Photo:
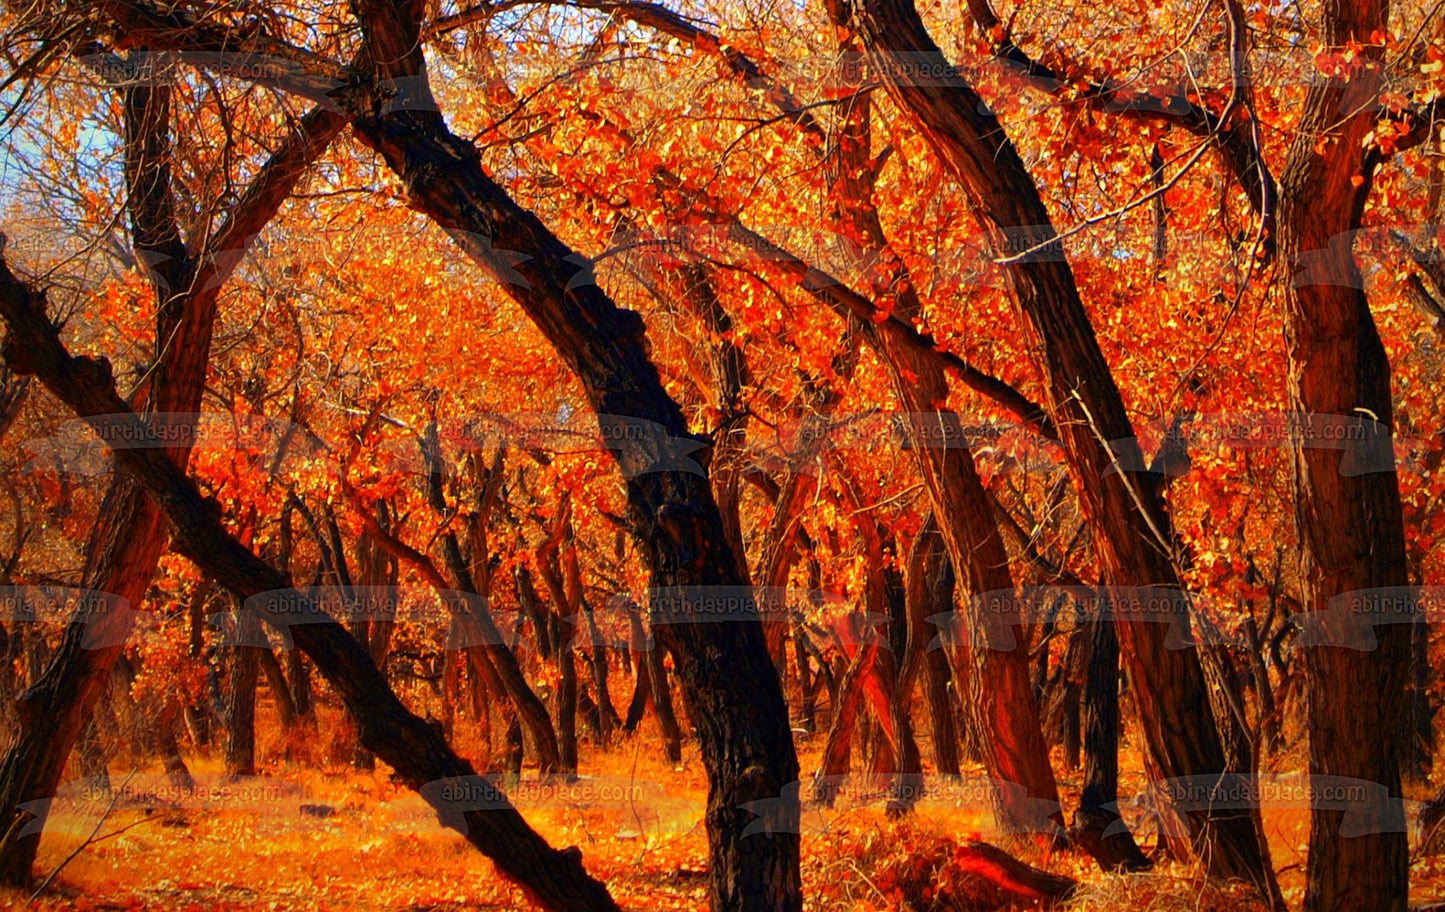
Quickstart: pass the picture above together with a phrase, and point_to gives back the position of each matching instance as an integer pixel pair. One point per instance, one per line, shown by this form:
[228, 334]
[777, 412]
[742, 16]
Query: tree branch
[554, 879]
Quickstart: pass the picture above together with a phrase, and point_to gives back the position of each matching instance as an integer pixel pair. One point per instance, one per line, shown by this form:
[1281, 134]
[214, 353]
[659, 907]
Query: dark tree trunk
[894, 673]
[553, 879]
[1084, 405]
[512, 760]
[929, 594]
[1351, 529]
[607, 714]
[1064, 723]
[129, 536]
[662, 703]
[531, 607]
[566, 712]
[942, 727]
[564, 635]
[280, 691]
[241, 697]
[642, 684]
[1100, 794]
[298, 673]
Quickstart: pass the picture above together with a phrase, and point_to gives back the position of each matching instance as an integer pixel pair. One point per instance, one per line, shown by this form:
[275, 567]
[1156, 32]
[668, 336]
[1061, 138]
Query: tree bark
[662, 702]
[1083, 403]
[416, 750]
[1097, 801]
[241, 697]
[838, 748]
[930, 594]
[1013, 745]
[1351, 528]
[129, 536]
[280, 692]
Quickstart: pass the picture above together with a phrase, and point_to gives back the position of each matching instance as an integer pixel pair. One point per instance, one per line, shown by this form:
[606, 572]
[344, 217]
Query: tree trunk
[298, 673]
[1014, 747]
[597, 663]
[554, 879]
[129, 536]
[929, 594]
[531, 608]
[479, 673]
[1084, 406]
[565, 705]
[167, 745]
[642, 684]
[838, 747]
[280, 692]
[662, 702]
[512, 760]
[1064, 724]
[1350, 525]
[241, 697]
[1096, 816]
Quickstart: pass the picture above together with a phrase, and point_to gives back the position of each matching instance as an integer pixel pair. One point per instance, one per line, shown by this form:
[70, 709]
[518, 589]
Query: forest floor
[378, 847]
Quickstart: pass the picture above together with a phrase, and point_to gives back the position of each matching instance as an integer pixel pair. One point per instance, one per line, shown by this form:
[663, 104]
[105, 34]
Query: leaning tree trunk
[1351, 529]
[837, 749]
[730, 688]
[1084, 403]
[642, 682]
[280, 692]
[129, 535]
[1013, 744]
[662, 703]
[652, 688]
[422, 759]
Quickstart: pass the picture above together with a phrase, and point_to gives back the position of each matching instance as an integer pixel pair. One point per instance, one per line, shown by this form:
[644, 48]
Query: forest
[751, 456]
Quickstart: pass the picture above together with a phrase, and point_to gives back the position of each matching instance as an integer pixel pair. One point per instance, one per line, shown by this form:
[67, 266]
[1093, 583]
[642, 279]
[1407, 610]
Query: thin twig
[115, 796]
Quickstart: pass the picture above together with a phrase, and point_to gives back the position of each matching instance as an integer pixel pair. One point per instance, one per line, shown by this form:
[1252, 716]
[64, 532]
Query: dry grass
[379, 850]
